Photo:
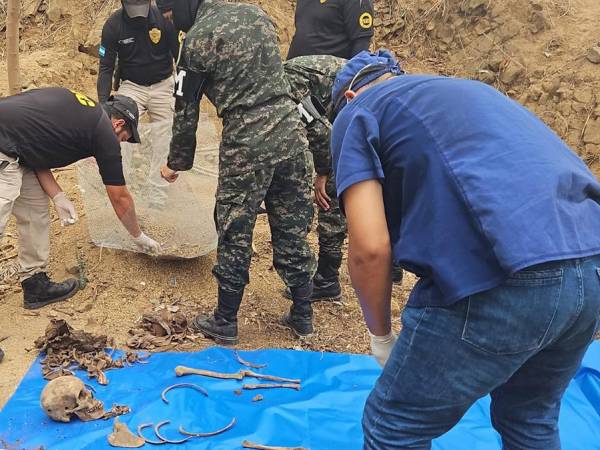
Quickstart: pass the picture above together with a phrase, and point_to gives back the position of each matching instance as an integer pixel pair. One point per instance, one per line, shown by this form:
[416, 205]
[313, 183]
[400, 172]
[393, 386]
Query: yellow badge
[154, 34]
[322, 1]
[365, 20]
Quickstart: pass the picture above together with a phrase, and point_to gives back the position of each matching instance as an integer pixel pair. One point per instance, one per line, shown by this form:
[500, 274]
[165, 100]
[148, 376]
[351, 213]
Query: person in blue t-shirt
[498, 218]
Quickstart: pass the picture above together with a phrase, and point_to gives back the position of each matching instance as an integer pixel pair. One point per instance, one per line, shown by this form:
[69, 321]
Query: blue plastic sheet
[325, 414]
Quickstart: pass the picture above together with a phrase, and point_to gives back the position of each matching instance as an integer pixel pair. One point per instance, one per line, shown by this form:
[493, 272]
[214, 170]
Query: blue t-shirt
[475, 186]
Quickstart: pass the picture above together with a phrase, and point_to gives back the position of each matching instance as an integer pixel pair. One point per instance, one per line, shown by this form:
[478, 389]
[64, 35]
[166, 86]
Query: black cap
[165, 5]
[127, 108]
[136, 8]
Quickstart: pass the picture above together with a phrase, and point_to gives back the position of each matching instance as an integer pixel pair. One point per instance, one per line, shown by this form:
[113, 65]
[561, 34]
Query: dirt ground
[540, 52]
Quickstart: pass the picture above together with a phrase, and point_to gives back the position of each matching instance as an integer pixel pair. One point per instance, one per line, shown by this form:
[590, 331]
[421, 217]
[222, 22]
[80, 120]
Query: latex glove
[65, 209]
[321, 197]
[146, 244]
[381, 346]
[168, 174]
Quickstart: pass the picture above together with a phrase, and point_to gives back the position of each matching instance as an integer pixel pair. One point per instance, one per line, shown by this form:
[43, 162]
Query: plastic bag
[178, 215]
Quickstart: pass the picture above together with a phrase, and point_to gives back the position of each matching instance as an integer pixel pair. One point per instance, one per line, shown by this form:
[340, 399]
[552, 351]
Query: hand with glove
[65, 209]
[146, 244]
[381, 346]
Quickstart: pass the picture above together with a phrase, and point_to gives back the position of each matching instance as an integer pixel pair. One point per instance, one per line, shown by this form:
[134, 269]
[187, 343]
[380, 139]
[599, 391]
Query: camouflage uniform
[263, 148]
[314, 75]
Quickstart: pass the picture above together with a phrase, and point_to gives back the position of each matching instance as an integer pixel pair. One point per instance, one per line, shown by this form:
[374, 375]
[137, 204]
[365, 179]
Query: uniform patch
[155, 34]
[365, 20]
[101, 51]
[322, 1]
[189, 84]
[83, 99]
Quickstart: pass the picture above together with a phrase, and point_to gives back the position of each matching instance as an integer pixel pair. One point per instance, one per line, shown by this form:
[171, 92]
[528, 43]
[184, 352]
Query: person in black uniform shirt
[146, 46]
[339, 28]
[48, 128]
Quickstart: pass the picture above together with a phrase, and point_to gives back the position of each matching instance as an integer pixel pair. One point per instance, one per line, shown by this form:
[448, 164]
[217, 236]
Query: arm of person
[358, 23]
[107, 152]
[370, 262]
[64, 207]
[122, 202]
[369, 253]
[318, 138]
[124, 207]
[48, 182]
[360, 44]
[188, 93]
[172, 39]
[355, 147]
[108, 55]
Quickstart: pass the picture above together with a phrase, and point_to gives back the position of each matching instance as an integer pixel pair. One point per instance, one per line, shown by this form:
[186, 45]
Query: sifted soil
[540, 52]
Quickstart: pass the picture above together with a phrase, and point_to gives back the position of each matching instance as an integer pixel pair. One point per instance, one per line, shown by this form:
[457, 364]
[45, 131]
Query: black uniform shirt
[54, 127]
[146, 49]
[340, 28]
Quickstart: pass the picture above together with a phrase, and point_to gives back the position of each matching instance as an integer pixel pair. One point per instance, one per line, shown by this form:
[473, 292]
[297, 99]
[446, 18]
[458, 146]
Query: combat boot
[299, 319]
[326, 282]
[221, 326]
[326, 289]
[39, 290]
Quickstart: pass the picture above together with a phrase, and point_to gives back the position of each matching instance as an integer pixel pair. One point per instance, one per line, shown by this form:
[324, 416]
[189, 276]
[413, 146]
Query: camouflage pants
[331, 227]
[286, 191]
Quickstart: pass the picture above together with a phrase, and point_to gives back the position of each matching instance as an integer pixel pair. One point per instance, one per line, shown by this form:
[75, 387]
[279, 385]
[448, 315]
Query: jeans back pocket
[514, 317]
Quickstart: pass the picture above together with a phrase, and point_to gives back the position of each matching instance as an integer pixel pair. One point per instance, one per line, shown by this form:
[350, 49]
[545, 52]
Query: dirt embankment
[542, 53]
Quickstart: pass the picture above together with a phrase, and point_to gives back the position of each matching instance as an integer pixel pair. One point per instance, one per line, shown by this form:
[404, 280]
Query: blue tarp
[325, 414]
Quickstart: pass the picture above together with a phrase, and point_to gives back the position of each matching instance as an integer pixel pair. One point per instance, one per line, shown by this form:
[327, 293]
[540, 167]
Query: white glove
[381, 346]
[65, 209]
[146, 244]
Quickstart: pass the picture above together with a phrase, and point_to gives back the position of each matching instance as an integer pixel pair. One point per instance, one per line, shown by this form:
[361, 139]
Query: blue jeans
[521, 342]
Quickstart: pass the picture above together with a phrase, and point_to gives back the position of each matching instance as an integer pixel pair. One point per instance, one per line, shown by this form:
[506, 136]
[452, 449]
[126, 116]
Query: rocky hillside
[543, 53]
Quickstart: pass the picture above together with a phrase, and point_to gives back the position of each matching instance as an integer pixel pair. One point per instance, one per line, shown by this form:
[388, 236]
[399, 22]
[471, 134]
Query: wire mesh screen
[179, 215]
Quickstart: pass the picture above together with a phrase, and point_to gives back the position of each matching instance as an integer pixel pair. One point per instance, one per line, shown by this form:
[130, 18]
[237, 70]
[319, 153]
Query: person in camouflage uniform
[311, 79]
[230, 54]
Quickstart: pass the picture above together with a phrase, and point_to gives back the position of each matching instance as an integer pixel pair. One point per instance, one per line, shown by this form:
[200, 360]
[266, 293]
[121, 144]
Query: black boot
[326, 282]
[222, 325]
[39, 291]
[1, 355]
[326, 290]
[397, 274]
[299, 319]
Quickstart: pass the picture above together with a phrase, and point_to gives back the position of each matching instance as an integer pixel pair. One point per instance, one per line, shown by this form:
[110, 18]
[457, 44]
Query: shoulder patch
[365, 20]
[189, 84]
[101, 51]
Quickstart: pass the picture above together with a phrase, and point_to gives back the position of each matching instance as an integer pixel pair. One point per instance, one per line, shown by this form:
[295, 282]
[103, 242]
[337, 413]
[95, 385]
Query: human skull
[67, 395]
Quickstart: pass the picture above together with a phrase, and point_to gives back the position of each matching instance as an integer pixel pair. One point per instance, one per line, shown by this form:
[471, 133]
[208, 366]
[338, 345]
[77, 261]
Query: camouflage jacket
[314, 75]
[234, 48]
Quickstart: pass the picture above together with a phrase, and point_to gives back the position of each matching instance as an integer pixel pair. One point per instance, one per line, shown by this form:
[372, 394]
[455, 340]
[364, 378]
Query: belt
[146, 83]
[8, 153]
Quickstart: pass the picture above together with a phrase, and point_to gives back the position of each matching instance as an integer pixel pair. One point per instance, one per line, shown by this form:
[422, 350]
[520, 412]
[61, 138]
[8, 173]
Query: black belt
[8, 153]
[144, 83]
